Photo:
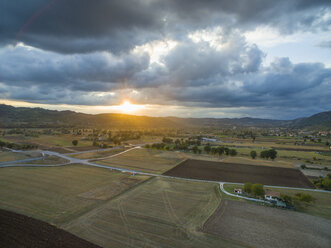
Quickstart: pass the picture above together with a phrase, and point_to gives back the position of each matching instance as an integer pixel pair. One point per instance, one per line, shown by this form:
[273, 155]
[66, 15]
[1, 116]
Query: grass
[56, 194]
[291, 155]
[157, 213]
[97, 154]
[64, 140]
[276, 144]
[12, 156]
[321, 206]
[146, 160]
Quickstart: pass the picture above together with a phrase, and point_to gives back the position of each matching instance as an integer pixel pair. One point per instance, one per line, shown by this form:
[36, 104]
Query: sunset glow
[128, 107]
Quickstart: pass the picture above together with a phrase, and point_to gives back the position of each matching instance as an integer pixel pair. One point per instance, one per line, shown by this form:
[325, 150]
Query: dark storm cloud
[99, 71]
[79, 26]
[193, 74]
[82, 52]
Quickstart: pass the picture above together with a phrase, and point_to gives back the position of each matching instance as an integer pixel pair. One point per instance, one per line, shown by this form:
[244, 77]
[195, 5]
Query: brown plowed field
[260, 226]
[240, 173]
[20, 231]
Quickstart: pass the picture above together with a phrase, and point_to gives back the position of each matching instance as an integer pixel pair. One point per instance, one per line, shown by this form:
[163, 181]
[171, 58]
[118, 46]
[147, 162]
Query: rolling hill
[37, 117]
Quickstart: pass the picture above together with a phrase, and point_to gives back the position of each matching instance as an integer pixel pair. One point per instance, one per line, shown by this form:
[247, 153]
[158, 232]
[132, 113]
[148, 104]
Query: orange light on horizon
[128, 107]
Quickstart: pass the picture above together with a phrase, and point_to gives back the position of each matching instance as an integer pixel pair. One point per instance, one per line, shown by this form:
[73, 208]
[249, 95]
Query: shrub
[305, 197]
[232, 152]
[75, 142]
[257, 189]
[253, 154]
[287, 199]
[248, 188]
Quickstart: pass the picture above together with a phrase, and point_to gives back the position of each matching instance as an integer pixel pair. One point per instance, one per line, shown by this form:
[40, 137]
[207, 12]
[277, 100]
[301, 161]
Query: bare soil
[240, 173]
[260, 226]
[20, 231]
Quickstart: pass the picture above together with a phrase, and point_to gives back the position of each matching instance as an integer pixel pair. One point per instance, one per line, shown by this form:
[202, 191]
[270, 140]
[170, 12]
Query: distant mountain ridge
[37, 117]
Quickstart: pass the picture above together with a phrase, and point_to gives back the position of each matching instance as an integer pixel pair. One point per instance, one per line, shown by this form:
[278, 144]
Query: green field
[156, 213]
[292, 155]
[321, 206]
[59, 194]
[146, 160]
[97, 154]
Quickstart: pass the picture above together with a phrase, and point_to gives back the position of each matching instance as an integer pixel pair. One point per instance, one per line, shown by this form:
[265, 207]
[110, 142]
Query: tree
[287, 199]
[232, 152]
[195, 149]
[272, 154]
[248, 188]
[264, 154]
[257, 189]
[220, 150]
[253, 154]
[75, 142]
[226, 151]
[207, 148]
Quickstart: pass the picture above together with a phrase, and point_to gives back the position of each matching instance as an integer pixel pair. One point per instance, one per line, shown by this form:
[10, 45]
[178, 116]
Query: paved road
[21, 161]
[89, 162]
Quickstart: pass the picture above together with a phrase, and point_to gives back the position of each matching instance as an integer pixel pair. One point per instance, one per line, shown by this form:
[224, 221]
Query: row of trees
[16, 146]
[220, 150]
[195, 149]
[272, 154]
[323, 182]
[297, 199]
[254, 189]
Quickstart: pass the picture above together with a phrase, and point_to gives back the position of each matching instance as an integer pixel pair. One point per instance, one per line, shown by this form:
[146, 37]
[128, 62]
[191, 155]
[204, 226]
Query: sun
[128, 107]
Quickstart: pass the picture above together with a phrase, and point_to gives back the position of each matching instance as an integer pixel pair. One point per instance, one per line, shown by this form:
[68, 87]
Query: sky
[188, 58]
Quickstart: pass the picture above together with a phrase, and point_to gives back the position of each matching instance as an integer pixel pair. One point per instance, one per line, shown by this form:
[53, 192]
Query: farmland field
[63, 140]
[17, 230]
[261, 226]
[240, 173]
[59, 194]
[157, 213]
[146, 160]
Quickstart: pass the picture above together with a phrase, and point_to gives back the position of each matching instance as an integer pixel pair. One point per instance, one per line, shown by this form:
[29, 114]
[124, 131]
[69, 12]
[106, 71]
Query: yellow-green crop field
[146, 160]
[157, 213]
[60, 194]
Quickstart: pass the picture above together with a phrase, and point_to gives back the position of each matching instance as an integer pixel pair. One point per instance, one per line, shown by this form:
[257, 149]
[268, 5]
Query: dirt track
[19, 231]
[240, 173]
[260, 226]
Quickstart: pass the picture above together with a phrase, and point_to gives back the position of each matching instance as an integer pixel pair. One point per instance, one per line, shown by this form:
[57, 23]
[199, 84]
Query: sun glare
[128, 107]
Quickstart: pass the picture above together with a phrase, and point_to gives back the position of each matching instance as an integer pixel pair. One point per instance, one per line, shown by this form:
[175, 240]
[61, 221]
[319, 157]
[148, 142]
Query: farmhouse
[272, 195]
[274, 198]
[238, 191]
[209, 140]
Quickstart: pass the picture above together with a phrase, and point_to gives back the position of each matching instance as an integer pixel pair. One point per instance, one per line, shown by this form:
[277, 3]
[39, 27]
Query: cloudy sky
[189, 58]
